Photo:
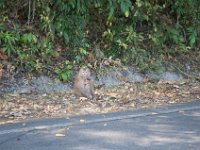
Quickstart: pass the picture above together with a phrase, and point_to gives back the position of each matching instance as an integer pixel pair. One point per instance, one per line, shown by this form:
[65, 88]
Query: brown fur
[83, 86]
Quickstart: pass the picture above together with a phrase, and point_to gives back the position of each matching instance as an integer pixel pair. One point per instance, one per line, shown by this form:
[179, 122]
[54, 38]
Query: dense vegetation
[48, 35]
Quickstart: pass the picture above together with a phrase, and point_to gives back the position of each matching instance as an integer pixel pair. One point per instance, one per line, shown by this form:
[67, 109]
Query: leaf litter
[128, 96]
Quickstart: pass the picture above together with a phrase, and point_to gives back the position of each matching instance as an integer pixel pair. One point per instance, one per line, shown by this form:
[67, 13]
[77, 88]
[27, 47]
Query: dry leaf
[82, 121]
[132, 105]
[170, 94]
[157, 94]
[153, 113]
[82, 98]
[59, 134]
[114, 95]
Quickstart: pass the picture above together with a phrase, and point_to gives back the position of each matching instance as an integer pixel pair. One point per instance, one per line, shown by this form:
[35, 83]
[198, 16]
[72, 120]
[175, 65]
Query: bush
[45, 33]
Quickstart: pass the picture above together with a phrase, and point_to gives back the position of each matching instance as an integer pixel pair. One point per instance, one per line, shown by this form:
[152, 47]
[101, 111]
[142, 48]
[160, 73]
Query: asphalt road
[168, 128]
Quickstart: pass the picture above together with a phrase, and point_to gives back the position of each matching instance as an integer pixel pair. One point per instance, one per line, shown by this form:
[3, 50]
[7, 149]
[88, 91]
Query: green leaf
[126, 13]
[192, 36]
[58, 70]
[112, 7]
[125, 6]
[64, 76]
[83, 51]
[66, 37]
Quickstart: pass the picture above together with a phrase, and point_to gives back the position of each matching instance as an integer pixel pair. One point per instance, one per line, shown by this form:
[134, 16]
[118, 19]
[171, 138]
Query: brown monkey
[83, 86]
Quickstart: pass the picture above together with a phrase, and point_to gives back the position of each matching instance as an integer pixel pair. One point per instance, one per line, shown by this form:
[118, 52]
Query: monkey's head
[85, 73]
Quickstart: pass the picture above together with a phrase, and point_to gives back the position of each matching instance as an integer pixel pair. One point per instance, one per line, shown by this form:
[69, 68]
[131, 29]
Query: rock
[27, 90]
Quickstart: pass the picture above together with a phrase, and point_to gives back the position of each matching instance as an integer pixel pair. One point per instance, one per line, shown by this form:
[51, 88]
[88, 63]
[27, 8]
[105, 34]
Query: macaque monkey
[83, 86]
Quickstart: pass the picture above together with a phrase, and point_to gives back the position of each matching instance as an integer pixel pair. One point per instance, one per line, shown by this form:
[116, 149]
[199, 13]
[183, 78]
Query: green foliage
[64, 71]
[28, 38]
[82, 52]
[40, 33]
[26, 48]
[192, 36]
[2, 4]
[8, 42]
[46, 49]
[140, 56]
[70, 29]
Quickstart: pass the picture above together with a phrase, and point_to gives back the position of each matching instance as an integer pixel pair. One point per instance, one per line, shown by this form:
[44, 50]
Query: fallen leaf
[157, 94]
[69, 109]
[82, 98]
[82, 121]
[112, 94]
[153, 113]
[59, 134]
[131, 89]
[170, 94]
[123, 102]
[176, 86]
[132, 104]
